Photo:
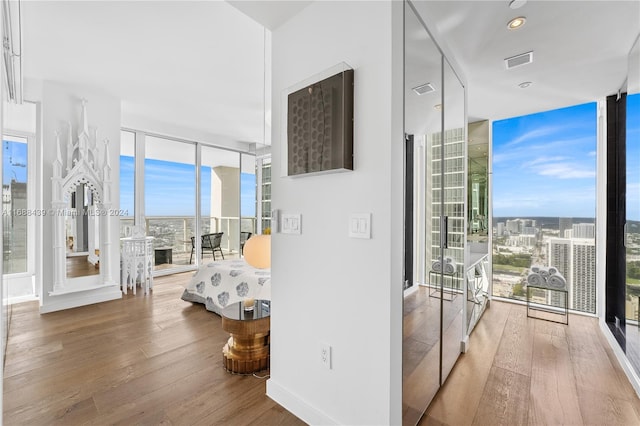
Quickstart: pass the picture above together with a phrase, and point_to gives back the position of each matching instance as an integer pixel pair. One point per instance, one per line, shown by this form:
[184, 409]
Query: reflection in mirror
[82, 234]
[478, 274]
[478, 182]
[452, 206]
[423, 123]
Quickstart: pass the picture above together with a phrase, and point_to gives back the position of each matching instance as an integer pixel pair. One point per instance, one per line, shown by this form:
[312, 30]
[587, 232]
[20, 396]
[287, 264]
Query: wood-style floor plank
[467, 380]
[559, 375]
[553, 396]
[505, 400]
[151, 359]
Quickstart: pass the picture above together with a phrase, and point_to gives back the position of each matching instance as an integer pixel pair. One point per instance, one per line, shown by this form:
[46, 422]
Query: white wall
[328, 287]
[61, 103]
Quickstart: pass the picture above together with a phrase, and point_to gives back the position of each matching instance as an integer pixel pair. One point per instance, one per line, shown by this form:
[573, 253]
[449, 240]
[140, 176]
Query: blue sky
[633, 157]
[170, 189]
[14, 156]
[544, 164]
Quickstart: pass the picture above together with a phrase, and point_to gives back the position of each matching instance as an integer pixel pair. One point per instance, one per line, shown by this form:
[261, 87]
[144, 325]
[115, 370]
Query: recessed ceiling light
[516, 4]
[516, 23]
[438, 107]
[524, 84]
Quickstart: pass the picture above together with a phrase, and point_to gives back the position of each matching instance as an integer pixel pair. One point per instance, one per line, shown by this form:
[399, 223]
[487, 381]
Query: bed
[220, 283]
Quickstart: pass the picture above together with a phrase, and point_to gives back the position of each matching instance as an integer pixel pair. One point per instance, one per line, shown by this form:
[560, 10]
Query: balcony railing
[175, 232]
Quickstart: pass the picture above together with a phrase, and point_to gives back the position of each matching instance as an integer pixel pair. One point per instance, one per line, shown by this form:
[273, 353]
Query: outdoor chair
[209, 242]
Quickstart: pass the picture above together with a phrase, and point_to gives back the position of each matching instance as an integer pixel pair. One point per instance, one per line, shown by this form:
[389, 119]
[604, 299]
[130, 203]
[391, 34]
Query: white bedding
[221, 283]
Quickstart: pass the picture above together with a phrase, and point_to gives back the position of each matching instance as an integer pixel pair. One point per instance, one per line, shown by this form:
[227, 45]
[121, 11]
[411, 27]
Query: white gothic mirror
[81, 203]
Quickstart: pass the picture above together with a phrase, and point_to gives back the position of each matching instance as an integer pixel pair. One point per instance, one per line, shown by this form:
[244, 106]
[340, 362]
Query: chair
[244, 236]
[209, 242]
[212, 242]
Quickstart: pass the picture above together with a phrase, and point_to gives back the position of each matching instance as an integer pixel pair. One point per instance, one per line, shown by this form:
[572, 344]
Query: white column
[59, 247]
[105, 244]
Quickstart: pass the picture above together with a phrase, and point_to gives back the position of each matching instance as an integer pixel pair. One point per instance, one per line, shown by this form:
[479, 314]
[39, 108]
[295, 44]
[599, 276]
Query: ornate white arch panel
[81, 166]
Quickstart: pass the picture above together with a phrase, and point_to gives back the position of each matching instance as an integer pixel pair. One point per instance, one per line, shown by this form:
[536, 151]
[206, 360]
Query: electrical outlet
[325, 355]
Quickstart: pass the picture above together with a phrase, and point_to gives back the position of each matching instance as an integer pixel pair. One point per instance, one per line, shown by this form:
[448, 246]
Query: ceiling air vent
[424, 88]
[518, 60]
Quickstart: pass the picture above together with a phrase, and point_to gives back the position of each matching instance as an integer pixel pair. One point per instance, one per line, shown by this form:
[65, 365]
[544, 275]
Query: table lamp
[257, 251]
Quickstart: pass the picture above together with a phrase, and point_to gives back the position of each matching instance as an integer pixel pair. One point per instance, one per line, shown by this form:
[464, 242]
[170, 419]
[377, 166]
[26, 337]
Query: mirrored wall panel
[435, 218]
[422, 304]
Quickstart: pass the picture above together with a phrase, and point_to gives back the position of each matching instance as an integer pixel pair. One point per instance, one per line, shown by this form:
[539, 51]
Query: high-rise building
[575, 259]
[454, 181]
[564, 224]
[583, 271]
[560, 256]
[583, 230]
[514, 226]
[500, 229]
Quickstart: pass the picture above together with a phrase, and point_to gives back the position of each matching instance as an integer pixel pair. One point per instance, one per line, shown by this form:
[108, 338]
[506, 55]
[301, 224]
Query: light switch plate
[360, 225]
[291, 223]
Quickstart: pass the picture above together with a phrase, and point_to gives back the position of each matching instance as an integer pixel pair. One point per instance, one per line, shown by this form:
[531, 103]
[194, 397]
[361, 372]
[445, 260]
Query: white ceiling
[195, 65]
[199, 65]
[580, 51]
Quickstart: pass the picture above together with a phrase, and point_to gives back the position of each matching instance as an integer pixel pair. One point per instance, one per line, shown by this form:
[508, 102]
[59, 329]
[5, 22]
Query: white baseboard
[297, 406]
[631, 373]
[73, 302]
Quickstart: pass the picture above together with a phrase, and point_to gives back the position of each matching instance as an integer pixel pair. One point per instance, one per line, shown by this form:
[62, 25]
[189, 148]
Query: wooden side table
[247, 350]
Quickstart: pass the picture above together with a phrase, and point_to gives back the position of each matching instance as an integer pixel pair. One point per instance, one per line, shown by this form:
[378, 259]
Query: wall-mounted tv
[320, 126]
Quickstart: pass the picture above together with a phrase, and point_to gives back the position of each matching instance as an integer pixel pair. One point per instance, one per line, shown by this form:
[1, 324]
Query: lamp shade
[257, 251]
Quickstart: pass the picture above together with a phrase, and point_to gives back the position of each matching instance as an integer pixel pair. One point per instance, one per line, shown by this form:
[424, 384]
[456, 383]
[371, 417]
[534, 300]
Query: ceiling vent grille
[424, 88]
[519, 60]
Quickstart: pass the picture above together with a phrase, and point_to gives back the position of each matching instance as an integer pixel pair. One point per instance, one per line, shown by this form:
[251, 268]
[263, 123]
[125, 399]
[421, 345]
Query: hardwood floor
[158, 360]
[523, 371]
[141, 360]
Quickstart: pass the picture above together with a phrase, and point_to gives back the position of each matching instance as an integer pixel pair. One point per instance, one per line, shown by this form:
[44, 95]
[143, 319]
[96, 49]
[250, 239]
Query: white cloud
[533, 134]
[564, 171]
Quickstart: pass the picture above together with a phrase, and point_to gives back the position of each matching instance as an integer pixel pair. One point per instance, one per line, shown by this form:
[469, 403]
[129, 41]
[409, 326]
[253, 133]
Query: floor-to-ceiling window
[544, 195]
[19, 215]
[15, 212]
[170, 197]
[263, 171]
[248, 197]
[220, 203]
[166, 199]
[127, 180]
[632, 242]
